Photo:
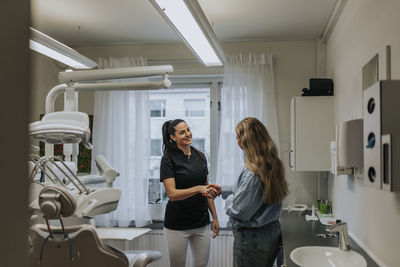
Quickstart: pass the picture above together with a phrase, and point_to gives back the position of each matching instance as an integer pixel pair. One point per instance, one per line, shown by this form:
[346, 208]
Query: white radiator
[220, 251]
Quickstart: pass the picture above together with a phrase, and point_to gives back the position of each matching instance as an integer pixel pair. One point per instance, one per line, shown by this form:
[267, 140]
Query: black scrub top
[190, 171]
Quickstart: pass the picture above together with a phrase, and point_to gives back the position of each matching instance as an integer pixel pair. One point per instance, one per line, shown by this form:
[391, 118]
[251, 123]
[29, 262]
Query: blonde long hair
[261, 156]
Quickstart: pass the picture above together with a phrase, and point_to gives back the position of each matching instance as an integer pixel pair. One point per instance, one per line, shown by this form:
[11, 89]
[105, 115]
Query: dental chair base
[141, 258]
[79, 246]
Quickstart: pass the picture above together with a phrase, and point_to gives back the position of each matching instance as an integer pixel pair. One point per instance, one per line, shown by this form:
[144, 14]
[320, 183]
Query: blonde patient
[255, 203]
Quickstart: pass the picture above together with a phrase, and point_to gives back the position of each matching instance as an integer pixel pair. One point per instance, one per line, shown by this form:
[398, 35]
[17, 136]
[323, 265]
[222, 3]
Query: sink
[326, 256]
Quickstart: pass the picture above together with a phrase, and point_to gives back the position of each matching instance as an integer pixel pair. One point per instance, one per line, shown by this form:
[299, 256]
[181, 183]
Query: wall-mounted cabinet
[312, 130]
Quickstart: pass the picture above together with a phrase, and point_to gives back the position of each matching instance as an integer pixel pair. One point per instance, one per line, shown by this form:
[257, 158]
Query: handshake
[211, 191]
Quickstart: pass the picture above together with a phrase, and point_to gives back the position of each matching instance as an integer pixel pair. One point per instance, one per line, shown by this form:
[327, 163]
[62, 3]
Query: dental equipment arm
[74, 79]
[116, 73]
[106, 174]
[106, 170]
[105, 86]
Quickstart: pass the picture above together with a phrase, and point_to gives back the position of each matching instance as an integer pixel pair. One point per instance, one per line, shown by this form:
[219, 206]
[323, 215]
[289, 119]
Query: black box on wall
[319, 87]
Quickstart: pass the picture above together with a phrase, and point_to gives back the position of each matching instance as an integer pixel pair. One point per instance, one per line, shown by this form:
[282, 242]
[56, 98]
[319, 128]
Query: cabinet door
[292, 158]
[312, 130]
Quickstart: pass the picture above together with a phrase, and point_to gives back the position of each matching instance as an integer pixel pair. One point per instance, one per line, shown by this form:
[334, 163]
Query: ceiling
[112, 22]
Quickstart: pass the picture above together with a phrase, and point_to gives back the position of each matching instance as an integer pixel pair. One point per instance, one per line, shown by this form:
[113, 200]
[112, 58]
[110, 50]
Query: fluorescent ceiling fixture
[47, 46]
[188, 20]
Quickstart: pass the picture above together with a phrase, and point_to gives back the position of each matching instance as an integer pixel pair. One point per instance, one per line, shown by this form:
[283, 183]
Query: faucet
[341, 228]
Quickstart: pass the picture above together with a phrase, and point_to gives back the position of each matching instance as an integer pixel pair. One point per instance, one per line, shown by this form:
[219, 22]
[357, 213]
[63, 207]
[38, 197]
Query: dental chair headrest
[55, 201]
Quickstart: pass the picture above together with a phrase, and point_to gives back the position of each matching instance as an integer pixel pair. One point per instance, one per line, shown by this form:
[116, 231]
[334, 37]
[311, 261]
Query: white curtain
[121, 130]
[248, 90]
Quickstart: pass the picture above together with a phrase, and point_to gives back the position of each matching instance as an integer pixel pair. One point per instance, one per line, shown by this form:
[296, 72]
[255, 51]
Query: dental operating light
[70, 126]
[187, 18]
[47, 46]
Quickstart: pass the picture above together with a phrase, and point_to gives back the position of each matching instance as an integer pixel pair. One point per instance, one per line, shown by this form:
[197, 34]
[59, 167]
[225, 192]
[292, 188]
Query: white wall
[294, 64]
[363, 29]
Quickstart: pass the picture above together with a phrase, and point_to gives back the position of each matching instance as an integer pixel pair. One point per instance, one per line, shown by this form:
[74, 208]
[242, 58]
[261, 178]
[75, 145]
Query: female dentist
[184, 173]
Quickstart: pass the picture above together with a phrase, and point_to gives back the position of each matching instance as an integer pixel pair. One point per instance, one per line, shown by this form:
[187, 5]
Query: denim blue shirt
[245, 206]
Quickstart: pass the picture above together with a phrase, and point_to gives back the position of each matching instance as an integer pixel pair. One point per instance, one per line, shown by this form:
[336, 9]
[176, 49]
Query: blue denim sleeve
[247, 199]
[226, 190]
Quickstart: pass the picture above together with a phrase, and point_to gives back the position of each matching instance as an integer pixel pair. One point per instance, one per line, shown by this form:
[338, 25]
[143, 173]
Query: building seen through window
[188, 104]
[156, 147]
[194, 107]
[157, 108]
[199, 143]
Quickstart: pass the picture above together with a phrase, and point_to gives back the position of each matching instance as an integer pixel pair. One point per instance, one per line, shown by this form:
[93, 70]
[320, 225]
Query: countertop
[121, 233]
[297, 232]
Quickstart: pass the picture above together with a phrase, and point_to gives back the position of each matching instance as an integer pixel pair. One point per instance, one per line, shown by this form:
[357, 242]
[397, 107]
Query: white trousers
[199, 241]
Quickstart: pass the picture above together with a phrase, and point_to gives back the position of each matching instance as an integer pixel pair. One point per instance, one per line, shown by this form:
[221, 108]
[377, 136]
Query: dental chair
[57, 193]
[78, 245]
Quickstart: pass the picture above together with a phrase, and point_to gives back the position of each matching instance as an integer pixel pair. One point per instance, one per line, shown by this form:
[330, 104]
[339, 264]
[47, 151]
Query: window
[199, 143]
[157, 108]
[194, 107]
[178, 103]
[156, 149]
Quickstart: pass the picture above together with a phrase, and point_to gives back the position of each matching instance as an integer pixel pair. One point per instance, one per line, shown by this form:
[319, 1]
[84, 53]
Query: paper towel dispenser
[349, 141]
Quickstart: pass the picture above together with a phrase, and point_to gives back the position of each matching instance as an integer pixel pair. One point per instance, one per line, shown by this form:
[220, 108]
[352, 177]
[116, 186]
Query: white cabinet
[312, 130]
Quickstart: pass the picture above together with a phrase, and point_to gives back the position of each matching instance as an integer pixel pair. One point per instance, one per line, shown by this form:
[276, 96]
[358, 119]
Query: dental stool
[78, 245]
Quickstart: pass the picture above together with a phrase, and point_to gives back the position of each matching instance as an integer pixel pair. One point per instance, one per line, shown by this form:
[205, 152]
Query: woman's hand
[216, 187]
[208, 192]
[215, 227]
